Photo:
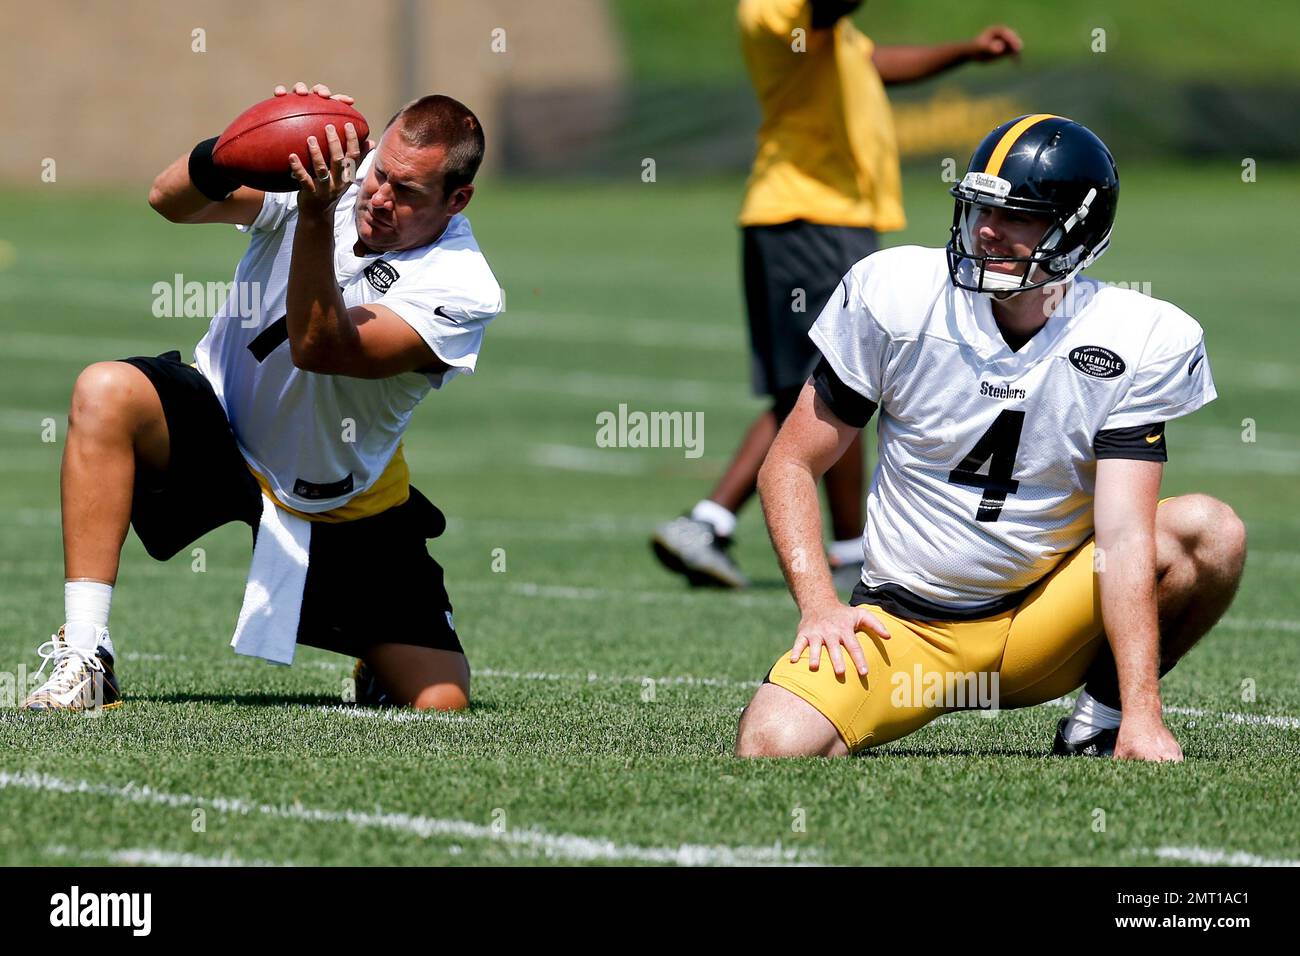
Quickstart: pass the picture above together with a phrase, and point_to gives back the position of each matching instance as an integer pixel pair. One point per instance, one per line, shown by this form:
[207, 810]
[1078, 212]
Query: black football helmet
[1048, 166]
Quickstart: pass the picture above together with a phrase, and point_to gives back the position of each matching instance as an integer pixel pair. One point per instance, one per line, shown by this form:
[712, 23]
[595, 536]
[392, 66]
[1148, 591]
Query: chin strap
[1072, 259]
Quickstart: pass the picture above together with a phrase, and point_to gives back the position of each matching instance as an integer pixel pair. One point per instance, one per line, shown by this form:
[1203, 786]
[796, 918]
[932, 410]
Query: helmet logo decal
[983, 183]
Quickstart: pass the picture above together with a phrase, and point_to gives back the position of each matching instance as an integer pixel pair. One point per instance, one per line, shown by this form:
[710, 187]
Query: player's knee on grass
[778, 723]
[447, 696]
[421, 677]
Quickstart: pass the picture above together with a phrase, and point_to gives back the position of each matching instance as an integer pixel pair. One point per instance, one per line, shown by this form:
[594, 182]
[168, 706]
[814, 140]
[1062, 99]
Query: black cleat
[368, 691]
[1100, 744]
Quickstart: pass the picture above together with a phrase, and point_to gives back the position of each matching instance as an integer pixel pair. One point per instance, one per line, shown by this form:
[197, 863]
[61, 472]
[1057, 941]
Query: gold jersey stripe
[1009, 139]
[392, 488]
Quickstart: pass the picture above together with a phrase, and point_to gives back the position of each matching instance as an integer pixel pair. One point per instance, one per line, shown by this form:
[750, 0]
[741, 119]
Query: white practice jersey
[986, 456]
[320, 440]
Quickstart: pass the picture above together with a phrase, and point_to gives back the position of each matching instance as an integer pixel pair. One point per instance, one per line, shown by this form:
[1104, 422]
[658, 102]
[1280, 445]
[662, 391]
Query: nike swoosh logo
[439, 310]
[65, 700]
[1195, 362]
[1152, 439]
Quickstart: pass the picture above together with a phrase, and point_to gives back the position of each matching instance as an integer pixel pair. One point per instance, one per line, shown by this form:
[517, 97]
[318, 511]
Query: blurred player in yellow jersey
[825, 181]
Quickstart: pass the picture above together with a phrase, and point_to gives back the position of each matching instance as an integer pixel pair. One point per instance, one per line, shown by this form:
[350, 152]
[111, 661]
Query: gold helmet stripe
[1009, 139]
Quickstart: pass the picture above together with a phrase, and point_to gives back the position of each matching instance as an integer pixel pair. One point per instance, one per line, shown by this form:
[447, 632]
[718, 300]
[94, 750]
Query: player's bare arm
[908, 64]
[177, 198]
[324, 335]
[1125, 521]
[812, 440]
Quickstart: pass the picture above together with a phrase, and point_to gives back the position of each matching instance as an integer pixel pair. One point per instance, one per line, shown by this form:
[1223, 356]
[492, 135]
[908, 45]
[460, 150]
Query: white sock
[846, 552]
[85, 607]
[1090, 716]
[713, 514]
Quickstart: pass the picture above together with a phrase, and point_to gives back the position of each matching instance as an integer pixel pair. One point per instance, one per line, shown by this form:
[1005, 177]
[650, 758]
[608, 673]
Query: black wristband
[207, 179]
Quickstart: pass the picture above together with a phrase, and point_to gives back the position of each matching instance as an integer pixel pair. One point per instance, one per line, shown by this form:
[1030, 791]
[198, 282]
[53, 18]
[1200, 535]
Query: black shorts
[778, 260]
[369, 581]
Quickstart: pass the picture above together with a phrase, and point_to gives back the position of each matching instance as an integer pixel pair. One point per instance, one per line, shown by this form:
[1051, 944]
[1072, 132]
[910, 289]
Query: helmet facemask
[1057, 257]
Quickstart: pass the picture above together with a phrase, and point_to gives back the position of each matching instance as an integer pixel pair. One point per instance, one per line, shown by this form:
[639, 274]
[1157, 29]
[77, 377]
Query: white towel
[268, 621]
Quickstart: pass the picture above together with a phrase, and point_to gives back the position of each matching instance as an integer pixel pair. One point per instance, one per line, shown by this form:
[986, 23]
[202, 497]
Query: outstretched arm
[907, 64]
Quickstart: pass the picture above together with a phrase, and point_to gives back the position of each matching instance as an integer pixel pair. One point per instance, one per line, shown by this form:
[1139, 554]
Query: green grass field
[618, 293]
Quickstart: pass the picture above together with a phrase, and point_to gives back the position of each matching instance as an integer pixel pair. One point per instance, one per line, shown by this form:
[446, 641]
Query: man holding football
[371, 292]
[1014, 526]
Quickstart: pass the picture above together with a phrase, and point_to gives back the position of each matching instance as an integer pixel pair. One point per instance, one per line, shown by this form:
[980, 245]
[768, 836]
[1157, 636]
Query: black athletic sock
[1102, 680]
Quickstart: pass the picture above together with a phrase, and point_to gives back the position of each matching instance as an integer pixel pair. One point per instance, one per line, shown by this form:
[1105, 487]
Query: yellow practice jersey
[826, 147]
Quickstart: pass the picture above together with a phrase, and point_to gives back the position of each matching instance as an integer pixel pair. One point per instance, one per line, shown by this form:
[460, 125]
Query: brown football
[255, 148]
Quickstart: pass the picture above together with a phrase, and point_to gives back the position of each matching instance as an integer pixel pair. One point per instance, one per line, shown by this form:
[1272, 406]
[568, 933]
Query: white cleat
[691, 548]
[79, 680]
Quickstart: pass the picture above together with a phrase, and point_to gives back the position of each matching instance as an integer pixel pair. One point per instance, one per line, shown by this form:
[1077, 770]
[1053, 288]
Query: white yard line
[392, 715]
[1279, 721]
[564, 592]
[650, 393]
[30, 421]
[602, 461]
[681, 393]
[1276, 721]
[591, 677]
[401, 716]
[1207, 857]
[532, 842]
[620, 329]
[1283, 624]
[152, 856]
[172, 333]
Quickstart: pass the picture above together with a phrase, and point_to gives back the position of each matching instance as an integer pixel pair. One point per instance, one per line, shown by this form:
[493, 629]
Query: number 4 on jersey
[998, 446]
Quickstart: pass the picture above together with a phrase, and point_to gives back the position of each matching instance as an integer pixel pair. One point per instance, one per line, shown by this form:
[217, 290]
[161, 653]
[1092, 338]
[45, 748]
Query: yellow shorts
[1028, 655]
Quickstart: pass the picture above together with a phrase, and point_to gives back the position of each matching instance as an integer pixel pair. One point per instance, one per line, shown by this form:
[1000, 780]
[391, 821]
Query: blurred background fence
[588, 88]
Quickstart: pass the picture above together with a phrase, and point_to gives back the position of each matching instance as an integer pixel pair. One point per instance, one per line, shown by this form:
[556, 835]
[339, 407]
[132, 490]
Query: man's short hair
[437, 120]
